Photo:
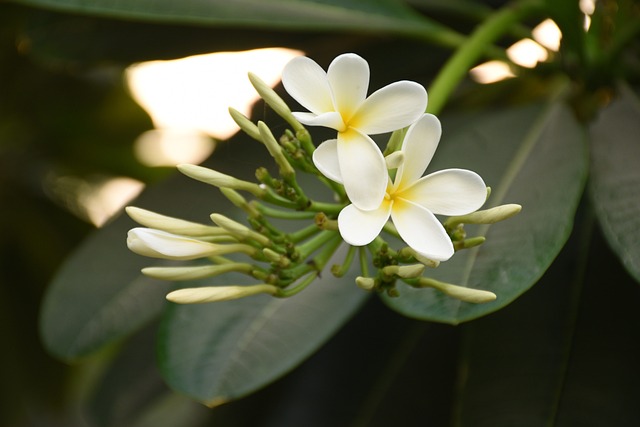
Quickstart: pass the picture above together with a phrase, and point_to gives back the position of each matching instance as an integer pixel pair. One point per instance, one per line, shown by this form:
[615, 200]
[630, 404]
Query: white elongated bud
[475, 296]
[245, 124]
[241, 231]
[218, 179]
[160, 244]
[218, 293]
[274, 101]
[275, 150]
[405, 271]
[172, 225]
[195, 271]
[487, 216]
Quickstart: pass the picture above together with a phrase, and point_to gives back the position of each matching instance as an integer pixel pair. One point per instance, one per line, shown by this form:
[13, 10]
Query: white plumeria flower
[412, 200]
[338, 99]
[161, 244]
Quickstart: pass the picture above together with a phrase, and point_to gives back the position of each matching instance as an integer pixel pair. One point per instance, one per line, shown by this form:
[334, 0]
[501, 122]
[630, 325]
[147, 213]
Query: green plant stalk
[341, 270]
[288, 292]
[304, 233]
[364, 266]
[280, 214]
[309, 247]
[474, 47]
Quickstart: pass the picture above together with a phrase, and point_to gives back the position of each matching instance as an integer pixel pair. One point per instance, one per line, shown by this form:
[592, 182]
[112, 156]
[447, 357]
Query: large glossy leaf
[222, 351]
[99, 294]
[350, 15]
[562, 355]
[535, 157]
[615, 177]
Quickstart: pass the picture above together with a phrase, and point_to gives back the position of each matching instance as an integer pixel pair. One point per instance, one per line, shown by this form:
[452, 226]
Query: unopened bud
[274, 101]
[218, 179]
[241, 231]
[487, 216]
[195, 271]
[218, 293]
[475, 296]
[172, 225]
[366, 283]
[469, 243]
[286, 170]
[245, 124]
[160, 244]
[323, 222]
[409, 252]
[279, 259]
[404, 271]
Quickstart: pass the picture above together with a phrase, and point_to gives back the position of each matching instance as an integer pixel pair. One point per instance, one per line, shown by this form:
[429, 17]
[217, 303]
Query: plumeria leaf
[615, 177]
[350, 15]
[222, 351]
[99, 294]
[533, 156]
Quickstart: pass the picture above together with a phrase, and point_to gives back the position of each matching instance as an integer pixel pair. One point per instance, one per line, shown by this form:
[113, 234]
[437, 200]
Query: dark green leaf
[222, 351]
[530, 156]
[562, 354]
[615, 177]
[307, 15]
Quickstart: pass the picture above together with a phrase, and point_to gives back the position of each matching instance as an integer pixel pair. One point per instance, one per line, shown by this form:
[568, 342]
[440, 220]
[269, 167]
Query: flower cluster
[370, 189]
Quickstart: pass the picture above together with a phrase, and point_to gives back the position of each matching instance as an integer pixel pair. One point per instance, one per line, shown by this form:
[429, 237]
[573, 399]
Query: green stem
[327, 208]
[280, 214]
[285, 293]
[474, 47]
[364, 266]
[341, 270]
[304, 233]
[316, 242]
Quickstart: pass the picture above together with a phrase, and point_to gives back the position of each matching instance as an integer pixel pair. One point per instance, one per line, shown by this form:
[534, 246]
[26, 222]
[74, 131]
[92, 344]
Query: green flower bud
[245, 124]
[218, 179]
[218, 293]
[241, 231]
[366, 283]
[172, 225]
[475, 296]
[195, 271]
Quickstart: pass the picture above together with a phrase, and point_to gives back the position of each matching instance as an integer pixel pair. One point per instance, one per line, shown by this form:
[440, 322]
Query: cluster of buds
[284, 263]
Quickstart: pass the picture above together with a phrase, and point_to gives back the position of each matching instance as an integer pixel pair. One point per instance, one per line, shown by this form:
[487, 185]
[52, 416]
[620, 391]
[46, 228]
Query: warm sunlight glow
[169, 147]
[587, 7]
[491, 72]
[108, 197]
[548, 35]
[194, 93]
[527, 53]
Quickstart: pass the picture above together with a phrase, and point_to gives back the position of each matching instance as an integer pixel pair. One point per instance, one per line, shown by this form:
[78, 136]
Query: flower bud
[241, 231]
[245, 124]
[275, 150]
[195, 271]
[404, 271]
[366, 283]
[218, 179]
[160, 244]
[274, 101]
[407, 252]
[273, 256]
[487, 216]
[172, 225]
[475, 296]
[218, 293]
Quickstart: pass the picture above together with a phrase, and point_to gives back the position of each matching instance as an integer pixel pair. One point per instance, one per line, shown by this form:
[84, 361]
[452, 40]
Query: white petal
[331, 120]
[448, 192]
[419, 145]
[307, 83]
[160, 244]
[421, 230]
[348, 77]
[325, 157]
[358, 227]
[393, 107]
[363, 169]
